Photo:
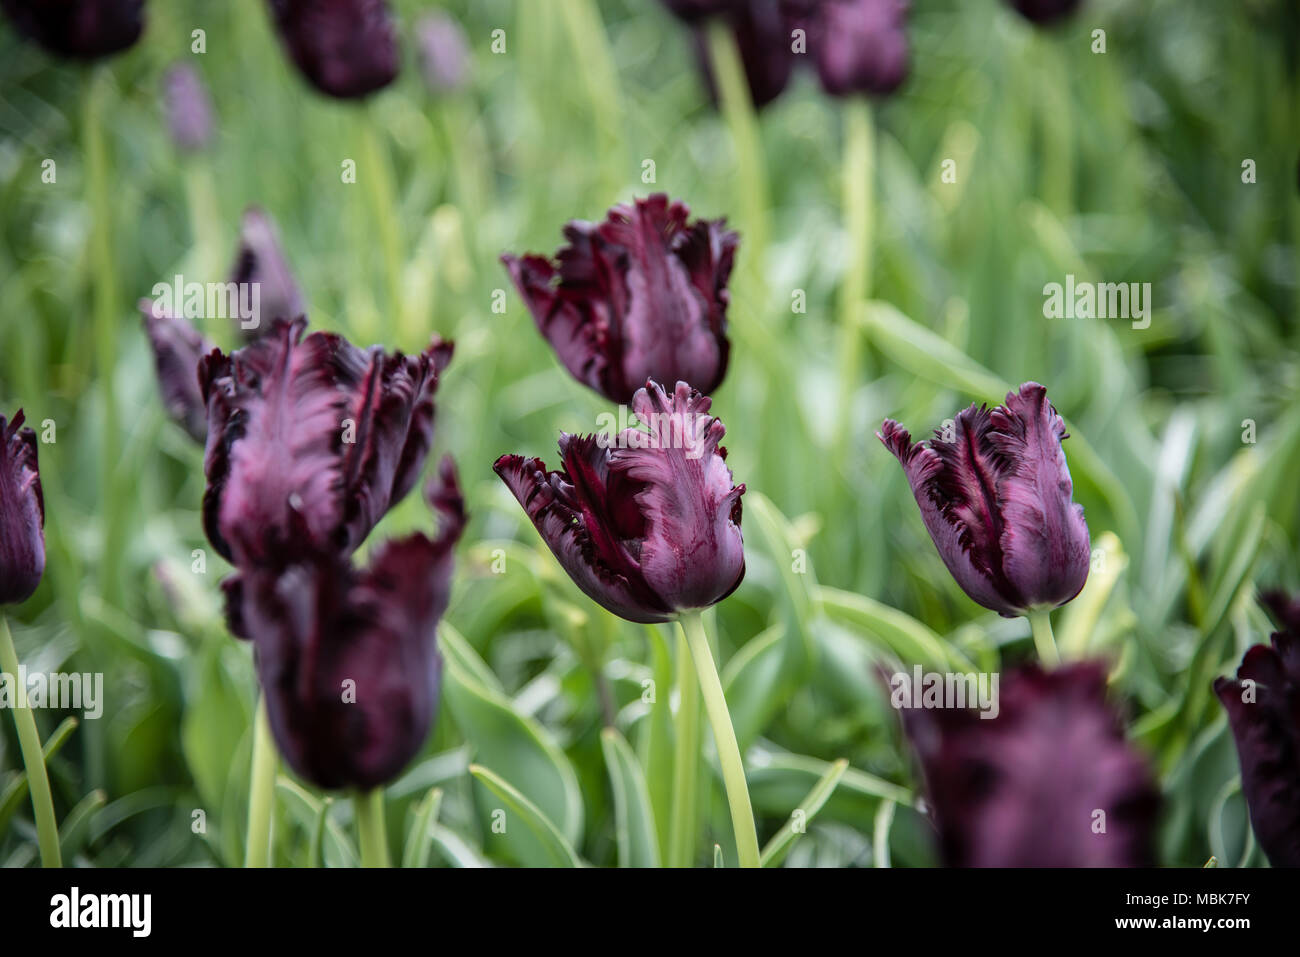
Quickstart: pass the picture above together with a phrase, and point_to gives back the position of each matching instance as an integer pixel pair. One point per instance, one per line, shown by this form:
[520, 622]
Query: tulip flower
[311, 440]
[345, 48]
[762, 35]
[995, 495]
[22, 562]
[22, 512]
[348, 658]
[858, 46]
[177, 349]
[1263, 705]
[642, 295]
[1044, 12]
[188, 107]
[444, 52]
[260, 259]
[647, 524]
[1049, 782]
[81, 29]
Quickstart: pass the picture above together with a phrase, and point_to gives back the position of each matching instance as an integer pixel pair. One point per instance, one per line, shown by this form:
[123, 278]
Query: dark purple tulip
[1045, 11]
[642, 295]
[346, 48]
[311, 440]
[649, 527]
[763, 39]
[444, 52]
[1263, 705]
[995, 495]
[693, 11]
[1023, 789]
[260, 259]
[177, 349]
[82, 29]
[22, 513]
[347, 658]
[859, 46]
[189, 109]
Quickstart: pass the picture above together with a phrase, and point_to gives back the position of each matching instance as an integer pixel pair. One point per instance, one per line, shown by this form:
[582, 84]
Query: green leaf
[634, 823]
[777, 847]
[558, 849]
[76, 826]
[891, 629]
[416, 851]
[655, 744]
[717, 856]
[752, 682]
[12, 796]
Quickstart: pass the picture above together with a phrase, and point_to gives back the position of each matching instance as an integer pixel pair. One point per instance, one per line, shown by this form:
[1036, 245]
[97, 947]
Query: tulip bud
[763, 40]
[1049, 782]
[311, 440]
[859, 46]
[189, 110]
[22, 513]
[260, 259]
[177, 349]
[1044, 12]
[649, 527]
[444, 52]
[995, 496]
[1263, 705]
[81, 29]
[345, 48]
[348, 658]
[642, 295]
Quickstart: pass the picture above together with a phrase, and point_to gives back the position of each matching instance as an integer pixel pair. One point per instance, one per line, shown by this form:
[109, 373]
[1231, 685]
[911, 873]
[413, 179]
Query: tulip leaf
[307, 810]
[558, 849]
[655, 744]
[634, 824]
[717, 856]
[456, 649]
[215, 720]
[416, 851]
[74, 828]
[752, 682]
[880, 834]
[897, 631]
[779, 780]
[1079, 619]
[782, 546]
[777, 847]
[14, 792]
[455, 850]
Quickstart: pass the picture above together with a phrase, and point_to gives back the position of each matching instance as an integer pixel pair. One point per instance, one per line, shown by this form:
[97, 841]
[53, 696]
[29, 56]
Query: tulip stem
[261, 791]
[29, 741]
[724, 736]
[379, 183]
[369, 808]
[1044, 640]
[686, 761]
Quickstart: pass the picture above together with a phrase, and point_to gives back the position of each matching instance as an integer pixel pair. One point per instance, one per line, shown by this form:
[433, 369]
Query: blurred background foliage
[1122, 167]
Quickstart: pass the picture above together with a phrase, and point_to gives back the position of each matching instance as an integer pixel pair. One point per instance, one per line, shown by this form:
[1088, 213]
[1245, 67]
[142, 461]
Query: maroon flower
[859, 46]
[995, 494]
[311, 440]
[1045, 11]
[650, 527]
[189, 109]
[444, 52]
[1263, 705]
[692, 11]
[82, 29]
[346, 48]
[348, 658]
[177, 349]
[1049, 782]
[22, 513]
[641, 295]
[766, 47]
[260, 259]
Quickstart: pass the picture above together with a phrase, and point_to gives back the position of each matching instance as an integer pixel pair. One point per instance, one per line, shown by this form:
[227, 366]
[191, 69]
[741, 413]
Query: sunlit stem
[724, 736]
[29, 741]
[371, 831]
[261, 791]
[1044, 640]
[686, 761]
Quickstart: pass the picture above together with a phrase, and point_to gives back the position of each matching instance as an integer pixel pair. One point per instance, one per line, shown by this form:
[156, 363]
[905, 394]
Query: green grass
[1123, 167]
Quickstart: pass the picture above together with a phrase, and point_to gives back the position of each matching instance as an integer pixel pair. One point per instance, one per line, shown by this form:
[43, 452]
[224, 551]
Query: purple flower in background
[765, 45]
[347, 658]
[311, 440]
[649, 527]
[345, 48]
[177, 349]
[858, 46]
[1263, 705]
[995, 495]
[692, 11]
[642, 295]
[260, 259]
[82, 29]
[189, 109]
[444, 52]
[1045, 11]
[1024, 788]
[22, 512]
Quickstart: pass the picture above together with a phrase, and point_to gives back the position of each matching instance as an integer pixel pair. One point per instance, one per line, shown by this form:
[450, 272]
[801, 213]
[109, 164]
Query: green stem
[371, 832]
[1044, 641]
[383, 205]
[29, 741]
[261, 792]
[724, 736]
[859, 220]
[686, 761]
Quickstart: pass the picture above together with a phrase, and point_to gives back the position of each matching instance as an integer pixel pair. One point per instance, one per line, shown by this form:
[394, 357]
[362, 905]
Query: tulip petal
[22, 512]
[83, 29]
[177, 350]
[260, 259]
